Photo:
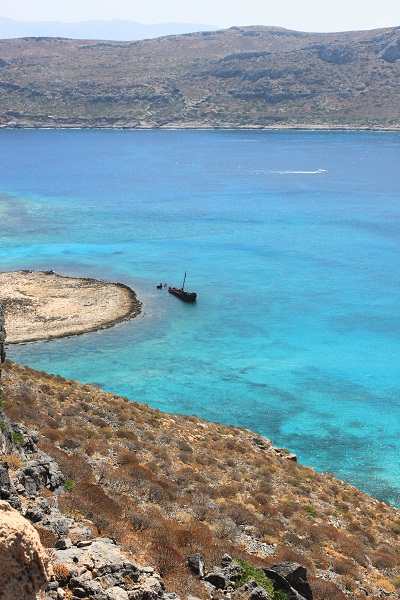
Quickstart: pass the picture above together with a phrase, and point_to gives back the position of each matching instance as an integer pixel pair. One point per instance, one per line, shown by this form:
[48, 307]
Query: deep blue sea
[291, 241]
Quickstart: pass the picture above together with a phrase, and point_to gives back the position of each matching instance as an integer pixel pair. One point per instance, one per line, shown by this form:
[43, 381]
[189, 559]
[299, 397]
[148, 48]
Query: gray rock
[63, 544]
[7, 488]
[392, 52]
[217, 578]
[84, 543]
[28, 476]
[253, 591]
[43, 469]
[90, 587]
[295, 575]
[195, 563]
[29, 442]
[338, 54]
[116, 593]
[79, 592]
[38, 511]
[103, 558]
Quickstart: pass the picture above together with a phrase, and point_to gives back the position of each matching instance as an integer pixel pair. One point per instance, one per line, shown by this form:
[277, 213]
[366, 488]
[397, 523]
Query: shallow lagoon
[296, 332]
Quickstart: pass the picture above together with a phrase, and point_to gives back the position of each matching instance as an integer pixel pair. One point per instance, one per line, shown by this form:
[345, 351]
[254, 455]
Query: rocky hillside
[239, 77]
[215, 511]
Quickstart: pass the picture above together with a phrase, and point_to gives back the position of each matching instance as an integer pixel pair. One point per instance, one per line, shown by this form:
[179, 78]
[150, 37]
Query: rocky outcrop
[24, 563]
[291, 578]
[337, 54]
[392, 52]
[7, 488]
[286, 577]
[82, 566]
[2, 336]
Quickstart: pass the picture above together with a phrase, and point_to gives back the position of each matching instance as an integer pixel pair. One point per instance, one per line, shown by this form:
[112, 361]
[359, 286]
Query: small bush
[61, 573]
[47, 537]
[326, 590]
[241, 515]
[18, 439]
[126, 457]
[167, 559]
[14, 460]
[250, 572]
[51, 434]
[69, 485]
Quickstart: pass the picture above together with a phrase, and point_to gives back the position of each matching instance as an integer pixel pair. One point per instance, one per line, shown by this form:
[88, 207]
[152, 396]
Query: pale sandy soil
[41, 305]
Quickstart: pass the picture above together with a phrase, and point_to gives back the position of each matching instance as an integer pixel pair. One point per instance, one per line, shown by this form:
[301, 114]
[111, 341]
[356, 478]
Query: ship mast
[184, 279]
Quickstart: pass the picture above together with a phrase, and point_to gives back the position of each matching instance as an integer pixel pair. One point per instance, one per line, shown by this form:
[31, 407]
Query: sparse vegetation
[251, 572]
[241, 77]
[167, 486]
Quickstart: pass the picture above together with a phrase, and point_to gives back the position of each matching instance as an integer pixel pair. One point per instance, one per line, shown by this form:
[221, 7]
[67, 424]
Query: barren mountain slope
[239, 77]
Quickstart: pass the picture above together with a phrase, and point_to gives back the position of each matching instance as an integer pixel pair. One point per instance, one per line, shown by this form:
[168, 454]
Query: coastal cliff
[242, 77]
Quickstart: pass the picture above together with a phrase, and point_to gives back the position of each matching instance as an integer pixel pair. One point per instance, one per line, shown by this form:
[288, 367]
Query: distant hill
[117, 29]
[238, 77]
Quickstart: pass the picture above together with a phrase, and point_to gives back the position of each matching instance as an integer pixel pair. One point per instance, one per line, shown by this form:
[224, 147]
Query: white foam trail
[317, 172]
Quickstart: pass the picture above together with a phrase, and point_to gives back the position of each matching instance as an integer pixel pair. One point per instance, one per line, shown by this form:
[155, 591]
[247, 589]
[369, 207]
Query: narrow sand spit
[41, 305]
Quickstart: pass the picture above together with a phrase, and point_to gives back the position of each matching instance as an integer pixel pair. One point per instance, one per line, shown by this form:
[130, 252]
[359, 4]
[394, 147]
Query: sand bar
[41, 305]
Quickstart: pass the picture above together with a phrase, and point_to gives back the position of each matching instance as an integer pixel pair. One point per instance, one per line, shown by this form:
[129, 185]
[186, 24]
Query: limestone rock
[102, 558]
[24, 563]
[45, 470]
[253, 591]
[294, 574]
[196, 564]
[338, 54]
[7, 488]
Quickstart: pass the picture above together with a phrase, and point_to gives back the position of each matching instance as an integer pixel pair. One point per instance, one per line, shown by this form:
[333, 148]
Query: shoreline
[198, 127]
[43, 305]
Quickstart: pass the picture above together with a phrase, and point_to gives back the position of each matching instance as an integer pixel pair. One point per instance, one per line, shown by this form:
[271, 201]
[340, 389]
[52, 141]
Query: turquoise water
[291, 240]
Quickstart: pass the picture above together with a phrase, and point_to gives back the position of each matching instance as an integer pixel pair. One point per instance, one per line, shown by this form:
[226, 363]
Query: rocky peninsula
[41, 305]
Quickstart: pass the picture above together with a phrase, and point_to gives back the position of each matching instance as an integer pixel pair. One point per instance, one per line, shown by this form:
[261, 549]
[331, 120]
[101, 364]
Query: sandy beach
[41, 305]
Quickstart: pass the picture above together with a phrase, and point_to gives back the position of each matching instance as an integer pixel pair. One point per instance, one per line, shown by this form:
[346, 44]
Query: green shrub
[18, 438]
[310, 510]
[254, 573]
[2, 426]
[250, 572]
[69, 485]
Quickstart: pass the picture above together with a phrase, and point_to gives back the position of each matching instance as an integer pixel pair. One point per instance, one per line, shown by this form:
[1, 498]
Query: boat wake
[317, 172]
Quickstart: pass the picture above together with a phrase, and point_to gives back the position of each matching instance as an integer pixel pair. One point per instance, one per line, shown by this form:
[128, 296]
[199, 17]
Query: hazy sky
[302, 15]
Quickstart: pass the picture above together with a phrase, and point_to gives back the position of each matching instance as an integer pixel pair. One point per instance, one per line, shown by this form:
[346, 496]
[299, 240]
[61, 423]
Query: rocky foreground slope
[134, 503]
[238, 77]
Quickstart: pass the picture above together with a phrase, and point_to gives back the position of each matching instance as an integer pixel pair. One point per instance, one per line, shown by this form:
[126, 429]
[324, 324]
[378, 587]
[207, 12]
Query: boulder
[295, 575]
[196, 564]
[24, 563]
[392, 52]
[217, 578]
